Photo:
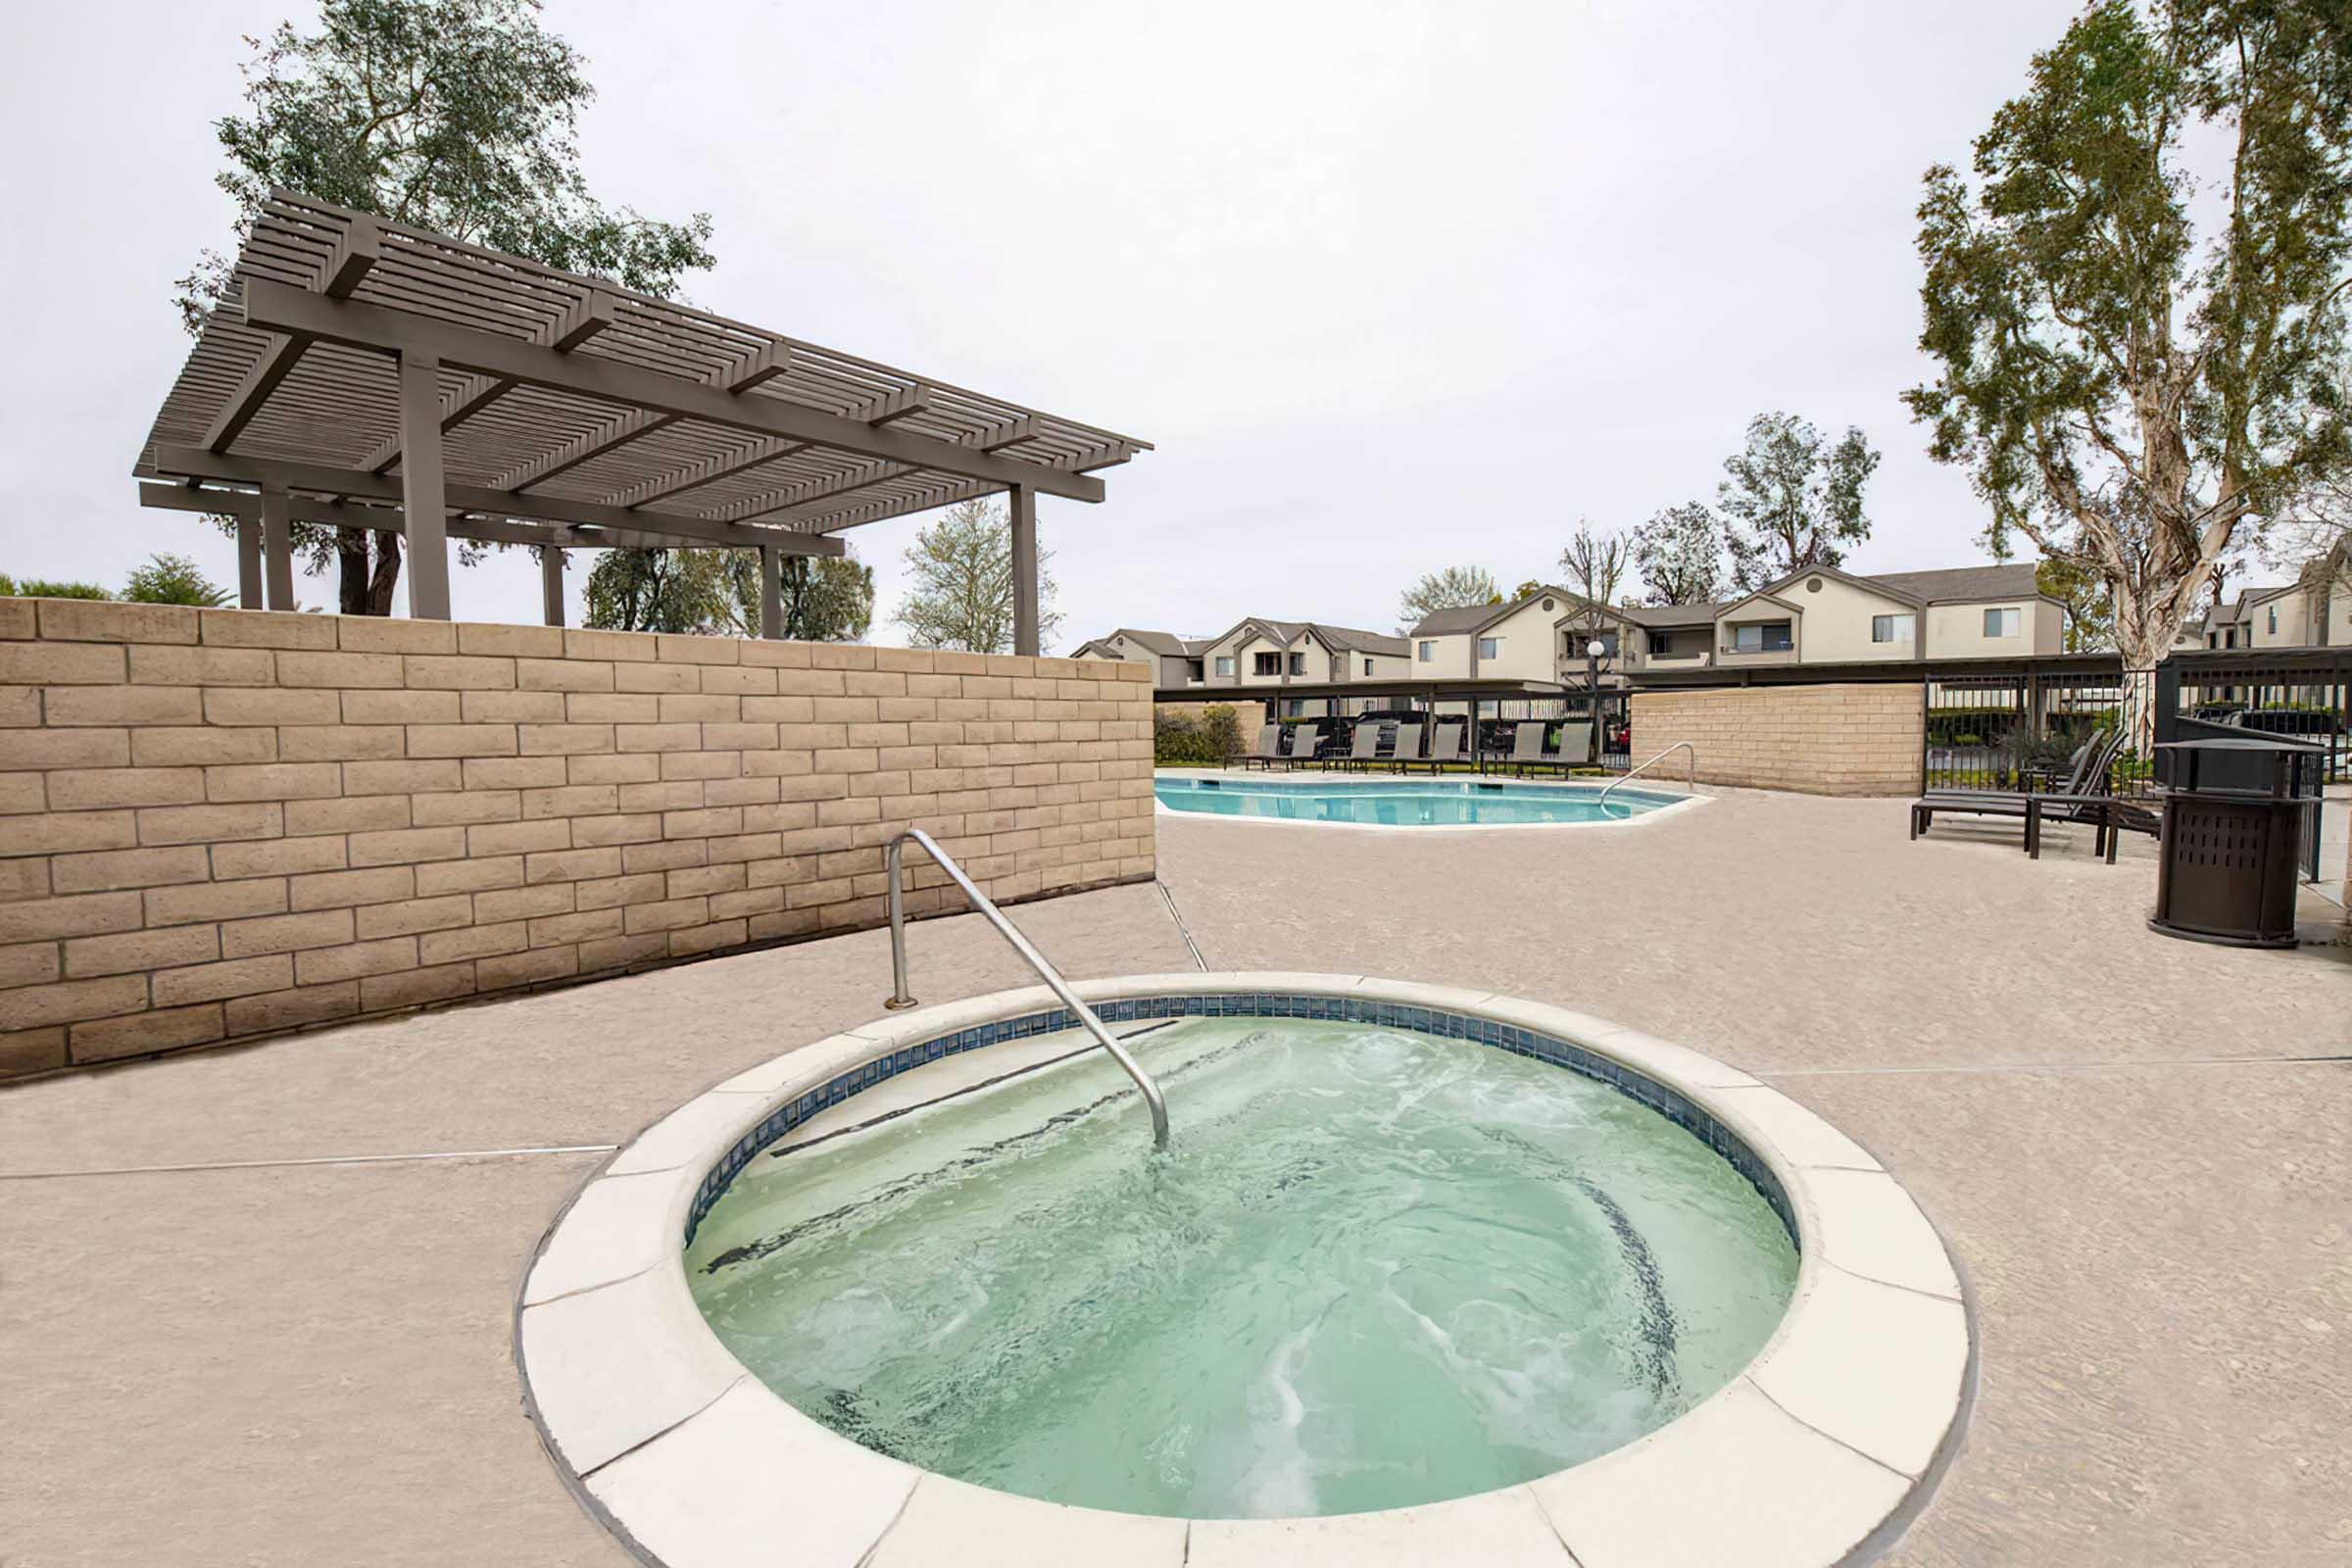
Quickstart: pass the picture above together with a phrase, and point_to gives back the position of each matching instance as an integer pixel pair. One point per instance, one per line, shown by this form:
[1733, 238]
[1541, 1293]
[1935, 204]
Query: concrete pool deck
[2126, 1139]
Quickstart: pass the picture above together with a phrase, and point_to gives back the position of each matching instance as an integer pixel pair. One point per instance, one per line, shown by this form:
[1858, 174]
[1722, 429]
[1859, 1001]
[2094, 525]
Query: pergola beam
[246, 506]
[279, 308]
[190, 462]
[276, 363]
[574, 327]
[812, 491]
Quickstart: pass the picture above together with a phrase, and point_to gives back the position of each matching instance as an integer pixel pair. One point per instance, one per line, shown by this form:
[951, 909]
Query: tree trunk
[386, 576]
[351, 572]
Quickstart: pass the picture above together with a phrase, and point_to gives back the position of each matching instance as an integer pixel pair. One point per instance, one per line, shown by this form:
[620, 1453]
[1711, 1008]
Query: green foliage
[1449, 588]
[2089, 604]
[1792, 498]
[168, 579]
[652, 590]
[959, 589]
[2123, 394]
[1679, 553]
[40, 588]
[1208, 739]
[457, 116]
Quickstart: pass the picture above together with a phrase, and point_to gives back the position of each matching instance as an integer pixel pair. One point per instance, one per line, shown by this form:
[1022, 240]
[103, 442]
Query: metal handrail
[1690, 779]
[1021, 945]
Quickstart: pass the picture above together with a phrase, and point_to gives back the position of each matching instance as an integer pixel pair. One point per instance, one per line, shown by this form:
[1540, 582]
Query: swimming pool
[1408, 802]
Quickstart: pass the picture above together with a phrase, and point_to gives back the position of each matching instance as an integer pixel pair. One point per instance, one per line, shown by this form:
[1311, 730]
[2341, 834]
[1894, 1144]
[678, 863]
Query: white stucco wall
[1957, 631]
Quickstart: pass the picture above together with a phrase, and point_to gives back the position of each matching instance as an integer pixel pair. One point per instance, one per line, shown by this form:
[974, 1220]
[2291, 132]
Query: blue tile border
[1519, 1041]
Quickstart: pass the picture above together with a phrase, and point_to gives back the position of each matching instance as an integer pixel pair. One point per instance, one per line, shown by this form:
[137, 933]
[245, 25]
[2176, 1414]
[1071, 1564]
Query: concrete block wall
[221, 823]
[1853, 739]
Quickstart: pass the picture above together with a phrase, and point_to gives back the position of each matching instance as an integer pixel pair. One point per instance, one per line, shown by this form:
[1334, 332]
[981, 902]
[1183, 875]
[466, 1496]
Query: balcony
[1698, 661]
[1736, 658]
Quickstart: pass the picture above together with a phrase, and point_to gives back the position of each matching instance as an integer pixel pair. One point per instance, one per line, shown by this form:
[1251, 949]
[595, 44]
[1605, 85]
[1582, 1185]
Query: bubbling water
[1377, 1268]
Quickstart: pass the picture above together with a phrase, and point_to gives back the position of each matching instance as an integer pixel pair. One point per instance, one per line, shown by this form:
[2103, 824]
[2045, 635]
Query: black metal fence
[2015, 729]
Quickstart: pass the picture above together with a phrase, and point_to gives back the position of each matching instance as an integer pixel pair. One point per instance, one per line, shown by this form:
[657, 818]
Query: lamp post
[1595, 652]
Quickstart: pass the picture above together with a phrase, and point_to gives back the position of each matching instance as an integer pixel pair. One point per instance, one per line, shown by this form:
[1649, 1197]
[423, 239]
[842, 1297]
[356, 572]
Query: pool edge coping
[659, 1390]
[1671, 803]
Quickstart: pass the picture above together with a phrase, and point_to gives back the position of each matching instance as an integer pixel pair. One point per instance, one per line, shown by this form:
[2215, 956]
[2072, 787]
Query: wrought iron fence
[2024, 730]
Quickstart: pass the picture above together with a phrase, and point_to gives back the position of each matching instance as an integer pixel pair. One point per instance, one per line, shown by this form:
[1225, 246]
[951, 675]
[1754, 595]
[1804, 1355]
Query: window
[2001, 623]
[1225, 665]
[2274, 620]
[1761, 637]
[1297, 663]
[1578, 641]
[1490, 648]
[1367, 666]
[1660, 644]
[1338, 668]
[1892, 629]
[1427, 652]
[1265, 664]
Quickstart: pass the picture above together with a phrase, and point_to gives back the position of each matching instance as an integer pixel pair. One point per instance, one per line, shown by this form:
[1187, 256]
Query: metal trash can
[2232, 834]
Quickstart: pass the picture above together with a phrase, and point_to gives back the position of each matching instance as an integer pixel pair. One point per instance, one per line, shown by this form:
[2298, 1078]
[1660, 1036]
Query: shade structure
[367, 374]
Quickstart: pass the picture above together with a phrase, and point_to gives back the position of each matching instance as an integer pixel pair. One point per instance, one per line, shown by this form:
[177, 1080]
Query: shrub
[37, 588]
[172, 580]
[1208, 739]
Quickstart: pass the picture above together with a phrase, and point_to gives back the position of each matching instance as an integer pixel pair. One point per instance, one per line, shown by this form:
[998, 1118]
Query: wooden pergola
[366, 374]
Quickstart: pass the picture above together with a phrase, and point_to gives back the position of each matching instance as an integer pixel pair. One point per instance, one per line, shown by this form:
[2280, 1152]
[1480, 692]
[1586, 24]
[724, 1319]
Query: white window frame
[2274, 620]
[1225, 664]
[1296, 662]
[1901, 628]
[1490, 648]
[1427, 654]
[2003, 623]
[1368, 669]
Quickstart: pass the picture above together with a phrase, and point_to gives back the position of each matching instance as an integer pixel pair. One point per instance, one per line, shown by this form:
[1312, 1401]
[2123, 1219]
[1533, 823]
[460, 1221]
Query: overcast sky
[1388, 287]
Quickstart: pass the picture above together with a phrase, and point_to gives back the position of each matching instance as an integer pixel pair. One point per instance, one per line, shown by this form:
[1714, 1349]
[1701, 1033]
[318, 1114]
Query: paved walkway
[264, 1361]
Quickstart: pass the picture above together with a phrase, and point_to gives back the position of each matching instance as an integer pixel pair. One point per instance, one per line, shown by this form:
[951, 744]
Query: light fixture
[1593, 650]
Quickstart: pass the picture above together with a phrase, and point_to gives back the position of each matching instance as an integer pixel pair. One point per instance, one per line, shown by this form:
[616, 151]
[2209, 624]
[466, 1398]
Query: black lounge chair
[2086, 798]
[1527, 747]
[1445, 749]
[1361, 754]
[1267, 751]
[1305, 740]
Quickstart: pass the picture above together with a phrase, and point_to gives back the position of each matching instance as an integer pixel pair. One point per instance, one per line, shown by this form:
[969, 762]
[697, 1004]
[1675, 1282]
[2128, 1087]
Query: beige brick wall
[1859, 739]
[219, 823]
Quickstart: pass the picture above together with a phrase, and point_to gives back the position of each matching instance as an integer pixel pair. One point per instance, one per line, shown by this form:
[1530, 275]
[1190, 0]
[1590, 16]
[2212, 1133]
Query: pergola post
[421, 488]
[551, 585]
[1022, 504]
[278, 547]
[771, 593]
[249, 564]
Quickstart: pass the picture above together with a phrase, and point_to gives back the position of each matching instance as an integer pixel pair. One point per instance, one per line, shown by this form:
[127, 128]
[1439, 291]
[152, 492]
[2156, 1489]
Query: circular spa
[1415, 1260]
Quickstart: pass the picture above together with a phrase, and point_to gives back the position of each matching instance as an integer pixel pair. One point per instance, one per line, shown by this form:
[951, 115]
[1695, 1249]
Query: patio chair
[1527, 747]
[1267, 751]
[1305, 740]
[1576, 747]
[1407, 754]
[2086, 798]
[1445, 749]
[1359, 755]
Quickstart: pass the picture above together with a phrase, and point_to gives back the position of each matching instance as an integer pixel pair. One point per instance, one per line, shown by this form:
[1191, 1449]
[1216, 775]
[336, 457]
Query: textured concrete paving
[309, 1363]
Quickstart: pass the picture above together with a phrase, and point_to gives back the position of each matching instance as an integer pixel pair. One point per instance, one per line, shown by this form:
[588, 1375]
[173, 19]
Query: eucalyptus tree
[2137, 400]
[457, 116]
[1679, 553]
[960, 584]
[1793, 498]
[1449, 588]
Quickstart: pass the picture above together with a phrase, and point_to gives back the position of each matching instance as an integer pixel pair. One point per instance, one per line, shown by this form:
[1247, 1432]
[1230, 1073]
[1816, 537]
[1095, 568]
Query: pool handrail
[980, 902]
[1690, 778]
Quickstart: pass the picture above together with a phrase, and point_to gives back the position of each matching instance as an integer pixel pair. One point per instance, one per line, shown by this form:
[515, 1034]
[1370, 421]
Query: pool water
[1377, 1268]
[1404, 802]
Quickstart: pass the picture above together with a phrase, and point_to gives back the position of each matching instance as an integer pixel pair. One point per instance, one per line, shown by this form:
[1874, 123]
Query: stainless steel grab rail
[1690, 778]
[1021, 945]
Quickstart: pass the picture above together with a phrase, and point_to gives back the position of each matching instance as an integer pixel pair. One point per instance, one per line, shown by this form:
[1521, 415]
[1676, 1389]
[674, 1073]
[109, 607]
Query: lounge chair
[1444, 749]
[1305, 740]
[1268, 750]
[1407, 754]
[2086, 798]
[1361, 754]
[1576, 747]
[1527, 747]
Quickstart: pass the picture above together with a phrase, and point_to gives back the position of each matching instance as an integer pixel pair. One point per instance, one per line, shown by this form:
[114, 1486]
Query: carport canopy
[362, 373]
